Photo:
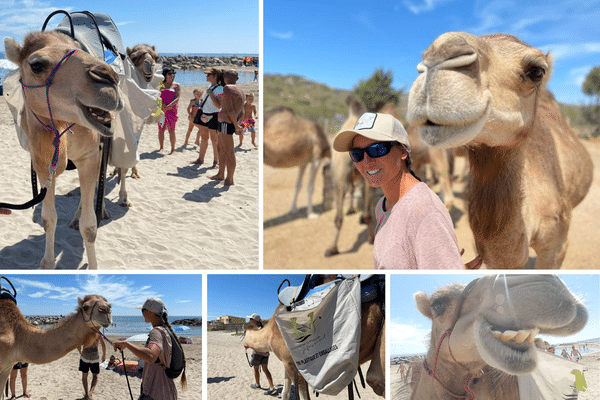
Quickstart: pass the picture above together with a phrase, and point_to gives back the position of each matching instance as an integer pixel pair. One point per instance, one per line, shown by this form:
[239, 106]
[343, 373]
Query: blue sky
[340, 42]
[172, 26]
[240, 295]
[408, 329]
[56, 294]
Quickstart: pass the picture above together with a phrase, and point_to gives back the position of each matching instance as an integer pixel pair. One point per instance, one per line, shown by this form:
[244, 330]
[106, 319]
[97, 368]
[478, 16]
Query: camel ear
[128, 50]
[550, 61]
[153, 47]
[12, 50]
[79, 301]
[423, 304]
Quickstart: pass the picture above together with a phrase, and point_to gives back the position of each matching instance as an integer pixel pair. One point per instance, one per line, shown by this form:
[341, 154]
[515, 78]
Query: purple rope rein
[57, 135]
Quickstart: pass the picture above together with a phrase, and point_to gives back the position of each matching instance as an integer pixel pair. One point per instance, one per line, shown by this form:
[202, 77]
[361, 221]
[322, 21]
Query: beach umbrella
[180, 328]
[142, 337]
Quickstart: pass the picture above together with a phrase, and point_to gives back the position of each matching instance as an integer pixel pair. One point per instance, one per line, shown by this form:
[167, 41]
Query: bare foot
[216, 178]
[172, 151]
[161, 151]
[197, 161]
[215, 164]
[228, 183]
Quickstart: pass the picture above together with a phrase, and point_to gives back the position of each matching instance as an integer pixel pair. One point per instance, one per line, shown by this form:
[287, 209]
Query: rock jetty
[188, 322]
[200, 62]
[45, 320]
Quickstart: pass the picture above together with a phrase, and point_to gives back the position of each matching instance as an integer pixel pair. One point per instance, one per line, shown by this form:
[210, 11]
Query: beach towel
[323, 335]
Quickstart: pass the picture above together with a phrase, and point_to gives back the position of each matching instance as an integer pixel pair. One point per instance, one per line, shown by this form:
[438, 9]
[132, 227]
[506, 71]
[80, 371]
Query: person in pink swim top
[169, 94]
[414, 229]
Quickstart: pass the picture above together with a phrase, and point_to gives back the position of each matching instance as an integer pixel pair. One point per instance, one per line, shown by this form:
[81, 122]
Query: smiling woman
[414, 230]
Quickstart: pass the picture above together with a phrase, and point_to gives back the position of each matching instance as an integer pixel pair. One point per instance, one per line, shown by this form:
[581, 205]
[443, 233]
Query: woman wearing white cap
[414, 229]
[156, 354]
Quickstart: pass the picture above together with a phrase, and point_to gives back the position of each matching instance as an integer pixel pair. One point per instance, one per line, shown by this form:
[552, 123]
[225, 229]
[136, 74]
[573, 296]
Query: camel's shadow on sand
[68, 247]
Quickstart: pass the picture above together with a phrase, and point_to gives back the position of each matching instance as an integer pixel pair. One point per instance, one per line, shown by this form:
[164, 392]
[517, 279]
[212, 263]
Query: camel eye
[438, 307]
[535, 74]
[85, 307]
[37, 67]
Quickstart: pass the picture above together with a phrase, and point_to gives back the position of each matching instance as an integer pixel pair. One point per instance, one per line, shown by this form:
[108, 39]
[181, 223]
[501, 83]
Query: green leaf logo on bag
[311, 327]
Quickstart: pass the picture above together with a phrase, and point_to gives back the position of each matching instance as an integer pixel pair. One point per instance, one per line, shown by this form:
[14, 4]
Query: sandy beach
[297, 234]
[229, 375]
[180, 219]
[61, 380]
[401, 390]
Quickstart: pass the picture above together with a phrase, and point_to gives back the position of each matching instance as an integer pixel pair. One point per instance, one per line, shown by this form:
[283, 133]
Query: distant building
[229, 320]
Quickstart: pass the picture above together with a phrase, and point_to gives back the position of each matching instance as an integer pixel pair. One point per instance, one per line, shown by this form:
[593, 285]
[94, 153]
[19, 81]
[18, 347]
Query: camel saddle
[5, 293]
[372, 287]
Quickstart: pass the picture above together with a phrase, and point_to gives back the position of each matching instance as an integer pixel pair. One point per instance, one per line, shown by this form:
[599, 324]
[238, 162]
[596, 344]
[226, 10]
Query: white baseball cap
[255, 317]
[155, 305]
[377, 126]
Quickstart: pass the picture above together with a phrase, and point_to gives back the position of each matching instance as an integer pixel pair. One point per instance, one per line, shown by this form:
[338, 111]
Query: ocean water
[129, 326]
[186, 78]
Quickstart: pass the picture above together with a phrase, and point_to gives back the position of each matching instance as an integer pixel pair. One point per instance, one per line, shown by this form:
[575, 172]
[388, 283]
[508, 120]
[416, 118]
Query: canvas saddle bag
[323, 335]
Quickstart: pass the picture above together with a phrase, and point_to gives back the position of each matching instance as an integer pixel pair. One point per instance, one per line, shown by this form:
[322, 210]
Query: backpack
[177, 361]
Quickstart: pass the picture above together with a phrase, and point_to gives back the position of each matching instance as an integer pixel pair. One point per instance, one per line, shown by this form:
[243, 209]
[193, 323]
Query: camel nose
[449, 51]
[104, 74]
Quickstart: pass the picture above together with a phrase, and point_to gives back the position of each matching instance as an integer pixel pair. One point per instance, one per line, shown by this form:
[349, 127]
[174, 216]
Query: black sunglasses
[375, 150]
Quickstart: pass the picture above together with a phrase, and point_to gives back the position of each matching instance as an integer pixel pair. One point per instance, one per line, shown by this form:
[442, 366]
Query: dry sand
[400, 390]
[61, 380]
[305, 240]
[229, 376]
[180, 219]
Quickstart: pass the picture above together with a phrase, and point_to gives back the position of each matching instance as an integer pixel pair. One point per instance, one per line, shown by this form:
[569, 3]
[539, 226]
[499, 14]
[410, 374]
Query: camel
[483, 334]
[144, 58]
[422, 155]
[291, 141]
[528, 168]
[372, 347]
[21, 341]
[345, 178]
[81, 92]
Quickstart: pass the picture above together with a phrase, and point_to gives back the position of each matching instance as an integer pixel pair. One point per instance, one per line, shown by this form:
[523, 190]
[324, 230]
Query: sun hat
[155, 305]
[255, 317]
[212, 71]
[376, 126]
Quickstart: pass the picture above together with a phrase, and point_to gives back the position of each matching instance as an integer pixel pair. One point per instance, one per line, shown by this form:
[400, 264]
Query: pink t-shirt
[417, 233]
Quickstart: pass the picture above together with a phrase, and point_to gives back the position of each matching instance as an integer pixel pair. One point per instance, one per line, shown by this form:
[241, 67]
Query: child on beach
[192, 109]
[248, 122]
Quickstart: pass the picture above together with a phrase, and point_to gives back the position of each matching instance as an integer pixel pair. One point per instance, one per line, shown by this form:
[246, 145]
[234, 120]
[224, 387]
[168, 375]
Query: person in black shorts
[22, 369]
[90, 360]
[258, 359]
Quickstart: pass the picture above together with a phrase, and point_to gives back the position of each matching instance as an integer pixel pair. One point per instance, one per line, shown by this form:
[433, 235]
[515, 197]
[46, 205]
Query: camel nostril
[104, 75]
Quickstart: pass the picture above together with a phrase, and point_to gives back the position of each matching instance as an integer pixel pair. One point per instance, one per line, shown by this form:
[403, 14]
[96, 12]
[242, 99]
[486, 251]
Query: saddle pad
[324, 337]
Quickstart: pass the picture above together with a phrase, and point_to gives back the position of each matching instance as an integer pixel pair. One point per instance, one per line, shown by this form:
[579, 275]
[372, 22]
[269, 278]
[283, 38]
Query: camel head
[477, 90]
[83, 89]
[496, 319]
[144, 57]
[95, 310]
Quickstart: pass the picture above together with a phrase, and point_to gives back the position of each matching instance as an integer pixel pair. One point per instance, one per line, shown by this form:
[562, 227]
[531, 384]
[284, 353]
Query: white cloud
[407, 338]
[281, 35]
[562, 51]
[577, 75]
[37, 295]
[425, 6]
[184, 301]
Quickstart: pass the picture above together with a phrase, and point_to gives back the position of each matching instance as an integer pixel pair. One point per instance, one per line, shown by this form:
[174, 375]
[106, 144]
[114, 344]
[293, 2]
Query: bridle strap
[470, 377]
[52, 127]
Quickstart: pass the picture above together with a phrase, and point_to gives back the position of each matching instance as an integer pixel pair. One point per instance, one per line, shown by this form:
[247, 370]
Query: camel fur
[291, 141]
[493, 323]
[21, 341]
[84, 91]
[529, 169]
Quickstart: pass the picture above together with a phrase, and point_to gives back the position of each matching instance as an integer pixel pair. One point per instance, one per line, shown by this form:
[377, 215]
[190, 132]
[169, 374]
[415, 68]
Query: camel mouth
[510, 350]
[148, 77]
[100, 119]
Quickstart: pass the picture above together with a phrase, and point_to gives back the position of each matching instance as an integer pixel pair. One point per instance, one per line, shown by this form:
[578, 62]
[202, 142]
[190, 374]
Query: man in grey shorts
[230, 116]
[259, 359]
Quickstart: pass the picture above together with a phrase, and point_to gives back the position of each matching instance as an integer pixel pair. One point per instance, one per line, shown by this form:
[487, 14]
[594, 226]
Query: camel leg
[123, 201]
[135, 174]
[552, 254]
[4, 380]
[439, 160]
[376, 371]
[298, 187]
[314, 167]
[88, 174]
[339, 217]
[49, 219]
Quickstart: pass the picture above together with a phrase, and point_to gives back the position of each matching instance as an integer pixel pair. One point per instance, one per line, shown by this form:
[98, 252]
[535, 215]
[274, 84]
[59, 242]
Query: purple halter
[57, 135]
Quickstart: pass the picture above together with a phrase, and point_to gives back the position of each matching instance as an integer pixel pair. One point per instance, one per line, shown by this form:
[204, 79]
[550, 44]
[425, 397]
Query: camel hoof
[351, 211]
[312, 216]
[105, 214]
[125, 203]
[135, 174]
[74, 223]
[114, 172]
[47, 264]
[331, 252]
